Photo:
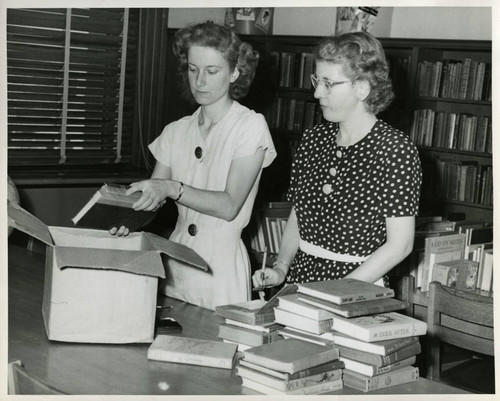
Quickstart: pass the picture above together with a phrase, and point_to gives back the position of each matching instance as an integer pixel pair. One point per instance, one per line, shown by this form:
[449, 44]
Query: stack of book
[291, 366]
[252, 323]
[377, 345]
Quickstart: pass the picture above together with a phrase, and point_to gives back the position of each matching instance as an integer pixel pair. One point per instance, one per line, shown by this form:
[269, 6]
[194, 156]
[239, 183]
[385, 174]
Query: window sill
[51, 178]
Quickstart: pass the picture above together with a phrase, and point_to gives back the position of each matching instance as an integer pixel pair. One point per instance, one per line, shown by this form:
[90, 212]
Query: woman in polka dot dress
[355, 181]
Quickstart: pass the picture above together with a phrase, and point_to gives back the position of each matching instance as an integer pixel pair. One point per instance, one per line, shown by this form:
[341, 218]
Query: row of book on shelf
[267, 225]
[292, 70]
[313, 338]
[291, 114]
[456, 254]
[459, 131]
[466, 79]
[463, 180]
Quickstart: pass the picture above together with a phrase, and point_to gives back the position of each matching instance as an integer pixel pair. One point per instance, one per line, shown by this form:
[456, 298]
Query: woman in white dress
[210, 163]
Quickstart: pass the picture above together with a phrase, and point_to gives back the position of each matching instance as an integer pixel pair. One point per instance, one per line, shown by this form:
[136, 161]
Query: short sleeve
[161, 147]
[402, 174]
[253, 135]
[296, 169]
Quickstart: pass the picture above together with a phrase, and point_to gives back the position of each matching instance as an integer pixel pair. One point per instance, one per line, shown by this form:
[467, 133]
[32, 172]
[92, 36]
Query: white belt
[320, 252]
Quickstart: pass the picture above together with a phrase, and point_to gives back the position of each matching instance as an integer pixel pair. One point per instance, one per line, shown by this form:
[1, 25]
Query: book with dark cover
[290, 355]
[244, 336]
[109, 207]
[380, 360]
[255, 311]
[313, 370]
[404, 375]
[357, 308]
[287, 385]
[193, 351]
[345, 291]
[383, 326]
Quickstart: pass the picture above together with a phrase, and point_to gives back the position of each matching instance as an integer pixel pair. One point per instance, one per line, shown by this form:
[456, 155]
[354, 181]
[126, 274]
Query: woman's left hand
[154, 193]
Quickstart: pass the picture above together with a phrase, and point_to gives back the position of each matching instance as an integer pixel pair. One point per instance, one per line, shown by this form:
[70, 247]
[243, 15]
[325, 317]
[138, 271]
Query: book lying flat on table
[344, 291]
[193, 351]
[301, 322]
[109, 207]
[318, 388]
[246, 336]
[290, 355]
[383, 326]
[255, 311]
[383, 347]
[371, 370]
[357, 308]
[355, 380]
[380, 360]
[313, 370]
[287, 385]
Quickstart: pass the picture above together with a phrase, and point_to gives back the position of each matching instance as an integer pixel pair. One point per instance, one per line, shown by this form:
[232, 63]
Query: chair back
[22, 382]
[463, 319]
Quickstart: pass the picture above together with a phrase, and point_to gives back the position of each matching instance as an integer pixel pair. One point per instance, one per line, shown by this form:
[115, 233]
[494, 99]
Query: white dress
[239, 134]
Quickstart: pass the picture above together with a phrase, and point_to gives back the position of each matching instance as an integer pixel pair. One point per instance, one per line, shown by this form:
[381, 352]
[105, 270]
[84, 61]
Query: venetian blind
[70, 75]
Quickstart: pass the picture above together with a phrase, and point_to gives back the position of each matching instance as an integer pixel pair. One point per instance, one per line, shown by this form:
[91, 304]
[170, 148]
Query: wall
[397, 22]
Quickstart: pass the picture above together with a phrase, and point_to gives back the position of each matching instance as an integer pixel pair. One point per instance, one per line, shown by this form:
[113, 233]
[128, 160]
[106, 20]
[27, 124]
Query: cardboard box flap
[177, 251]
[148, 262]
[27, 223]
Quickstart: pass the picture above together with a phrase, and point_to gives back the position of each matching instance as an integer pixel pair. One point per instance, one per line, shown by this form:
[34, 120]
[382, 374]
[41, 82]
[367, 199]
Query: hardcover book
[287, 385]
[293, 303]
[193, 351]
[383, 347]
[290, 355]
[244, 336]
[314, 370]
[372, 370]
[460, 274]
[404, 375]
[109, 207]
[447, 244]
[301, 322]
[344, 291]
[318, 388]
[255, 311]
[383, 326]
[357, 308]
[291, 332]
[380, 360]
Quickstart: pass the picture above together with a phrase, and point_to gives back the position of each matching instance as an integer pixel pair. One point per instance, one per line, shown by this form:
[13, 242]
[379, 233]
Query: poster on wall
[355, 19]
[250, 20]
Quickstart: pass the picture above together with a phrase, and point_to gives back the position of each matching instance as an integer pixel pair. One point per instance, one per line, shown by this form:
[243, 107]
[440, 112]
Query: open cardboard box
[99, 288]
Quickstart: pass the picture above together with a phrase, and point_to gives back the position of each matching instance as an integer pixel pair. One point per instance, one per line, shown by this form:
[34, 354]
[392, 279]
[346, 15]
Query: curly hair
[362, 58]
[238, 54]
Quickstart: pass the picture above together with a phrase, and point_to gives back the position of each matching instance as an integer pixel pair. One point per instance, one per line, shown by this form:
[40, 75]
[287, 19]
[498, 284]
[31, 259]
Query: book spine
[399, 331]
[314, 379]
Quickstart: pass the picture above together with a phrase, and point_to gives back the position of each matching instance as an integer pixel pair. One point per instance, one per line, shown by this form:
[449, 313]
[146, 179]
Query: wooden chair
[460, 318]
[21, 382]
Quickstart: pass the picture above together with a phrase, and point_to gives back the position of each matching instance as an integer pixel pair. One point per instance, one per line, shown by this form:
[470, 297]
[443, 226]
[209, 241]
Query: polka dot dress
[342, 195]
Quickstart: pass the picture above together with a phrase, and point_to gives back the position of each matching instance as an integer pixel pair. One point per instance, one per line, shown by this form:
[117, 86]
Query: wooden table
[123, 369]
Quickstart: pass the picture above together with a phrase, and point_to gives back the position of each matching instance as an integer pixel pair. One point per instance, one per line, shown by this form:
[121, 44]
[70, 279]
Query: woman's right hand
[268, 277]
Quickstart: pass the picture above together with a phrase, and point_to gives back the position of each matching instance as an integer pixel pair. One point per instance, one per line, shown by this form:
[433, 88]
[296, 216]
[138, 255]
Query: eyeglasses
[328, 84]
